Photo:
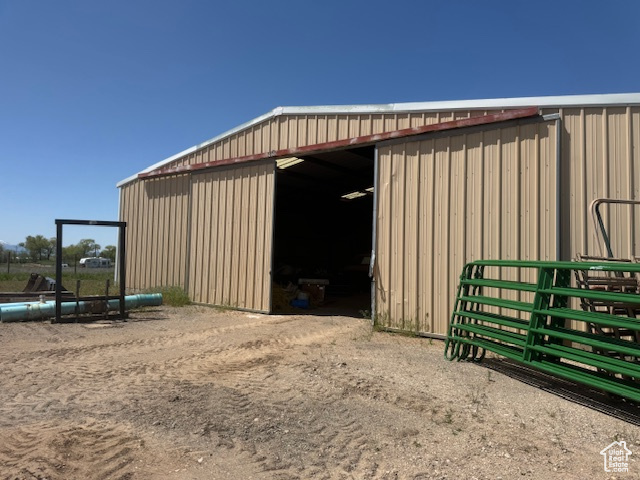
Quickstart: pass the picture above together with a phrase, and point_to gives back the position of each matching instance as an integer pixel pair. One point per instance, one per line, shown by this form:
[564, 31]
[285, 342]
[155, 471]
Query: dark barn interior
[323, 226]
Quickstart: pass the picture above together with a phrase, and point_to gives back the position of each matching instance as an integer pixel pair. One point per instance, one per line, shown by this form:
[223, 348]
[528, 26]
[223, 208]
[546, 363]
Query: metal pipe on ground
[35, 310]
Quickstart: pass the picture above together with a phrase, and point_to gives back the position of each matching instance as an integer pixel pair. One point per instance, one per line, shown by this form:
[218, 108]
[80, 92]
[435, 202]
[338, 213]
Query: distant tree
[71, 254]
[3, 256]
[88, 247]
[109, 252]
[50, 247]
[36, 246]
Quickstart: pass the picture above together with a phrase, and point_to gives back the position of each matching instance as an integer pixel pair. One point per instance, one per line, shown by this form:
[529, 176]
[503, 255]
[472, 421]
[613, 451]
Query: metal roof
[564, 101]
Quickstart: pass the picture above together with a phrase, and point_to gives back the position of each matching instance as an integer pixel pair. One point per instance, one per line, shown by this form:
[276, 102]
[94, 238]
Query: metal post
[122, 266]
[58, 271]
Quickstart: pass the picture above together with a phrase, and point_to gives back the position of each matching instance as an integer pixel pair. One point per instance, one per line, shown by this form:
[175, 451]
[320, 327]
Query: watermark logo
[616, 457]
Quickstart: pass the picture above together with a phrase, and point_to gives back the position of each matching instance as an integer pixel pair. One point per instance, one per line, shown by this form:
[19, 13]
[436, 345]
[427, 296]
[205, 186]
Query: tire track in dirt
[55, 452]
[167, 340]
[55, 386]
[251, 407]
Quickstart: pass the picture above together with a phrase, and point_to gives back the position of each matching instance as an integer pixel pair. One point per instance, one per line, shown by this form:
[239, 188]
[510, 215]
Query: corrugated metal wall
[445, 201]
[291, 131]
[441, 202]
[601, 148]
[156, 212]
[231, 236]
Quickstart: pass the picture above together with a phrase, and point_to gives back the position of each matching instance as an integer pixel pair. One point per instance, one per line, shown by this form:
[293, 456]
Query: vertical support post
[374, 235]
[122, 265]
[58, 271]
[559, 238]
[541, 301]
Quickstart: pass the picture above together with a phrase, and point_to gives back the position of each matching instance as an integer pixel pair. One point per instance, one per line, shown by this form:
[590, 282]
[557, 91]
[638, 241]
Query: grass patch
[92, 281]
[173, 296]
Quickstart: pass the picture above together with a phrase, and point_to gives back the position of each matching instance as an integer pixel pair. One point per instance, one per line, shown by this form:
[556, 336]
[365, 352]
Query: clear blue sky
[93, 92]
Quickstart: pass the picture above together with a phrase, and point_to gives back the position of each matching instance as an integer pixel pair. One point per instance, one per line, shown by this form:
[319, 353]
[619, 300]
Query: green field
[92, 280]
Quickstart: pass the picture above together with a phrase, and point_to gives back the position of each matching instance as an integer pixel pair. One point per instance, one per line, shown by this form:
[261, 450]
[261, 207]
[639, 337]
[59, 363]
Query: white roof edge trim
[562, 101]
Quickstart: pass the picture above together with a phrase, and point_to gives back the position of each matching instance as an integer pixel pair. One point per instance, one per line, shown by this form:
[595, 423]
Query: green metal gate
[588, 334]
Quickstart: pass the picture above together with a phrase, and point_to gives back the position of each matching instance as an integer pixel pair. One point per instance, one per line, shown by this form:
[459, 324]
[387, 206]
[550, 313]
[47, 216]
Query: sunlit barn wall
[156, 212]
[599, 158]
[445, 201]
[291, 131]
[231, 236]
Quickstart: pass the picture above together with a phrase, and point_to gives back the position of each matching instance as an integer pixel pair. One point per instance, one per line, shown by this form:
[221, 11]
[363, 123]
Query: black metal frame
[122, 226]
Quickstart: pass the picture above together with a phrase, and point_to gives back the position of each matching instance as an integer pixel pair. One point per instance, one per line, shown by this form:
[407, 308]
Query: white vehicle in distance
[95, 262]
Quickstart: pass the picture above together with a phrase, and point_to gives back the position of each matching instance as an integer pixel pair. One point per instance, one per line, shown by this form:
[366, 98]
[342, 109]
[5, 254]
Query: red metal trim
[350, 142]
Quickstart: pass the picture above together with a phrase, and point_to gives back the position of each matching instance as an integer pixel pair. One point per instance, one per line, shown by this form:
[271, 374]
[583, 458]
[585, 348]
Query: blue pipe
[11, 312]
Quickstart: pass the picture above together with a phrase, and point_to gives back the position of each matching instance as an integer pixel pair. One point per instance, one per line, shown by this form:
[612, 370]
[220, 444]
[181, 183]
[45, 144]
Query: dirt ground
[196, 393]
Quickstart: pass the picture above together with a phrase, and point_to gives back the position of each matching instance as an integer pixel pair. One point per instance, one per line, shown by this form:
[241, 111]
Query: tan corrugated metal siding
[602, 149]
[445, 201]
[441, 202]
[156, 213]
[291, 131]
[231, 236]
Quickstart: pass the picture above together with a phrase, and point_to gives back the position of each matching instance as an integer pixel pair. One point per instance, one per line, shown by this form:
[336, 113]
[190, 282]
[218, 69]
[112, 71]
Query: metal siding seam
[228, 237]
[343, 127]
[260, 239]
[235, 241]
[447, 243]
[536, 197]
[143, 240]
[558, 192]
[398, 215]
[186, 245]
[182, 208]
[253, 208]
[213, 255]
[208, 239]
[629, 172]
[244, 284]
[390, 244]
[218, 235]
[268, 233]
[222, 238]
[431, 222]
[311, 129]
[630, 179]
[175, 250]
[147, 267]
[127, 216]
[374, 232]
[272, 234]
[410, 237]
[421, 241]
[165, 199]
[204, 234]
[135, 197]
[463, 184]
[201, 201]
[266, 251]
[441, 249]
[418, 312]
[198, 205]
[583, 173]
[605, 164]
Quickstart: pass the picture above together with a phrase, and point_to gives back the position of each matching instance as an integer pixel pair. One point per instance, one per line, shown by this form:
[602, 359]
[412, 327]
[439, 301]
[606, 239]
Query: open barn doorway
[323, 231]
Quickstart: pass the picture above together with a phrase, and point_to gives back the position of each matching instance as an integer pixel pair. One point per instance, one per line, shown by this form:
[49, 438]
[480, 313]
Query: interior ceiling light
[352, 195]
[370, 189]
[283, 163]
